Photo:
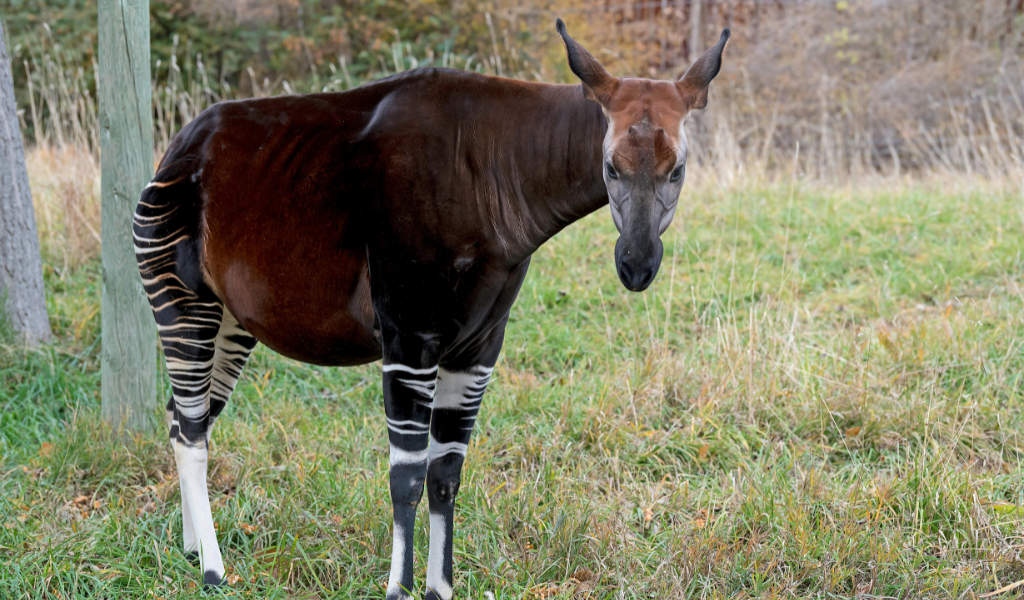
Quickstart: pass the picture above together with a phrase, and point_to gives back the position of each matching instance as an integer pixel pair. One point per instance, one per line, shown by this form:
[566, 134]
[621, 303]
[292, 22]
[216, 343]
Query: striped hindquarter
[204, 348]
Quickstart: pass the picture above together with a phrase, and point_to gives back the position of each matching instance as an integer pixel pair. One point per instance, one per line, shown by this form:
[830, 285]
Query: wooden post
[696, 44]
[22, 293]
[129, 364]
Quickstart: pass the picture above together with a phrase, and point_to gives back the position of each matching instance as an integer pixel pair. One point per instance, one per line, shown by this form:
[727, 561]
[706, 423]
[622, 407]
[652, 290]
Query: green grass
[819, 398]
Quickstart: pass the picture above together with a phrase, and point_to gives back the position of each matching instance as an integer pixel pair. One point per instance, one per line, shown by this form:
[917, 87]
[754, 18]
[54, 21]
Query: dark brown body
[301, 193]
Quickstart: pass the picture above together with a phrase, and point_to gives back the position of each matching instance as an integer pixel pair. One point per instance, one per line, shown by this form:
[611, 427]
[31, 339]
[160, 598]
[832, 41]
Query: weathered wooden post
[129, 369]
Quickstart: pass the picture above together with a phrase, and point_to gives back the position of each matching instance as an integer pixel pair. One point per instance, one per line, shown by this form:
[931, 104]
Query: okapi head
[644, 150]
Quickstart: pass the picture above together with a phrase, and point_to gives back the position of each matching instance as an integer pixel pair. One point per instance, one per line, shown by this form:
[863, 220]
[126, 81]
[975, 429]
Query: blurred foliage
[861, 86]
[301, 42]
[204, 52]
[71, 21]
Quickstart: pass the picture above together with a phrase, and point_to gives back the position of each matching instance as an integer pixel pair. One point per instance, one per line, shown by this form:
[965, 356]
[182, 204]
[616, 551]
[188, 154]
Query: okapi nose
[637, 270]
[636, 279]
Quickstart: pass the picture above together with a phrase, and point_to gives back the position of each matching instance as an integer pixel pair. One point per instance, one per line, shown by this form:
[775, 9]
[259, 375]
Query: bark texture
[129, 365]
[22, 295]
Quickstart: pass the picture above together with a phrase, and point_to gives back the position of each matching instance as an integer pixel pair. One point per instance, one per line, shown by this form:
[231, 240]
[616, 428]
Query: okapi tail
[167, 236]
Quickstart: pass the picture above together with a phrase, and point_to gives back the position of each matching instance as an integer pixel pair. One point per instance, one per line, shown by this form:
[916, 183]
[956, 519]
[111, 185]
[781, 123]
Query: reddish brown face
[644, 151]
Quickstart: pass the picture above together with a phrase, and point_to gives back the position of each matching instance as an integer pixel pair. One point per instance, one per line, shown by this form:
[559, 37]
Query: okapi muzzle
[644, 151]
[638, 251]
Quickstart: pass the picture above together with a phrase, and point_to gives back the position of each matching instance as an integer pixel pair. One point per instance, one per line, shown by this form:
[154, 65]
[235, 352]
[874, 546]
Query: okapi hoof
[192, 557]
[212, 580]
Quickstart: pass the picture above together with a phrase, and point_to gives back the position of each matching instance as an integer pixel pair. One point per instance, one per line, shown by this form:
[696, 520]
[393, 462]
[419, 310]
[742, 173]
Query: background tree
[21, 271]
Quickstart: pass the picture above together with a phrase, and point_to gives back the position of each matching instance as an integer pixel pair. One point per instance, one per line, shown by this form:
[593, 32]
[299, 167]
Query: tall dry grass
[63, 156]
[65, 183]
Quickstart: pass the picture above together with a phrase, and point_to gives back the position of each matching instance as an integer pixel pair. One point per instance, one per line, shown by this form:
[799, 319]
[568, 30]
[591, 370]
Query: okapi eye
[677, 174]
[611, 171]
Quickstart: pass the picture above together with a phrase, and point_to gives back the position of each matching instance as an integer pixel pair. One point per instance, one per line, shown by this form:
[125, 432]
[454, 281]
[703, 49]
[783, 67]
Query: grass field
[820, 397]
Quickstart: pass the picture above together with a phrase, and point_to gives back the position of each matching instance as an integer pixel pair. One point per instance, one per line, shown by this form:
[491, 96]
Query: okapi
[396, 221]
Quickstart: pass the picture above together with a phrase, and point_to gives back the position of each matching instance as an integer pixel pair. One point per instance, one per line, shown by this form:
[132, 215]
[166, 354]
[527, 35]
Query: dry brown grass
[65, 182]
[868, 88]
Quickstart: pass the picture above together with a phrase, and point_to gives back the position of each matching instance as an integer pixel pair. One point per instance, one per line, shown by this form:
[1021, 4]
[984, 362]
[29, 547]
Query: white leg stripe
[158, 248]
[405, 457]
[410, 370]
[407, 431]
[437, 449]
[435, 572]
[408, 423]
[423, 388]
[461, 390]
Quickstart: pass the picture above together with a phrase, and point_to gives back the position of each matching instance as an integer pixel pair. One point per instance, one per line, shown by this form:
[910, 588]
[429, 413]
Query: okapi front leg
[408, 393]
[456, 404]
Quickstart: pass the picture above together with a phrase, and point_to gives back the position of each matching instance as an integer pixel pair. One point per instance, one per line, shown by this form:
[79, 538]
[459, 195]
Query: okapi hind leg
[234, 345]
[188, 316]
[189, 349]
[189, 342]
[191, 547]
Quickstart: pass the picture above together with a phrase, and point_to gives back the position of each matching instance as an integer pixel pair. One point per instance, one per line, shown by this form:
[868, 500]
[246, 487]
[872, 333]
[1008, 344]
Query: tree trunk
[22, 295]
[129, 365]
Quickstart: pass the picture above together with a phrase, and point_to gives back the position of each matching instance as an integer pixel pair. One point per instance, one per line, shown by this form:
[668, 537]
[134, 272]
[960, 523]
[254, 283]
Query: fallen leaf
[703, 452]
[45, 449]
[852, 432]
[587, 580]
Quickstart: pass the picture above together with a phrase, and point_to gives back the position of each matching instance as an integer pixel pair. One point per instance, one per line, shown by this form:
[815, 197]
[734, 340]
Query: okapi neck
[557, 162]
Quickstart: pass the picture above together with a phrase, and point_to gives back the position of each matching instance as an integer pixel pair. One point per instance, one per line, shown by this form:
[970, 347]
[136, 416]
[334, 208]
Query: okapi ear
[598, 84]
[694, 83]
